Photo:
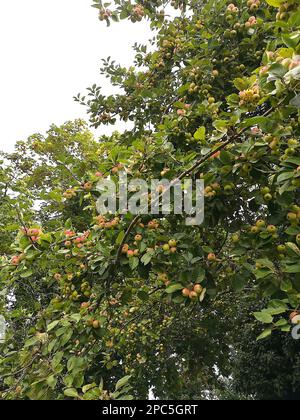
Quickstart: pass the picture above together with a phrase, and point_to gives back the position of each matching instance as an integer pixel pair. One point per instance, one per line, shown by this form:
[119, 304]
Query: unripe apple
[265, 190]
[268, 197]
[271, 229]
[211, 257]
[281, 249]
[292, 217]
[136, 252]
[166, 247]
[235, 238]
[260, 224]
[138, 238]
[172, 243]
[298, 239]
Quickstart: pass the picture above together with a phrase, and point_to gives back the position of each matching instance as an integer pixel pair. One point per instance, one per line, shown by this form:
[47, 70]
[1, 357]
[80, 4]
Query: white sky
[50, 51]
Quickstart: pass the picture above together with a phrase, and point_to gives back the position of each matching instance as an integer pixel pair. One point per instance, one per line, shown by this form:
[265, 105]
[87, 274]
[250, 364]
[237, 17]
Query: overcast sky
[50, 51]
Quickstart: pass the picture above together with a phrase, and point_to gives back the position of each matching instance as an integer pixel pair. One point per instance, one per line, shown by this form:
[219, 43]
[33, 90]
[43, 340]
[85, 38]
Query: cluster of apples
[232, 9]
[266, 194]
[294, 215]
[261, 226]
[117, 168]
[104, 14]
[171, 246]
[33, 233]
[285, 9]
[253, 5]
[69, 194]
[130, 252]
[137, 14]
[250, 96]
[104, 223]
[94, 323]
[79, 241]
[192, 293]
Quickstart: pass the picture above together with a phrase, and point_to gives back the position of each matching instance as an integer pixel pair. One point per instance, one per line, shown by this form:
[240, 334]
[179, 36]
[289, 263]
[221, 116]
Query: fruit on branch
[260, 224]
[198, 289]
[211, 257]
[88, 186]
[271, 229]
[125, 249]
[96, 324]
[172, 243]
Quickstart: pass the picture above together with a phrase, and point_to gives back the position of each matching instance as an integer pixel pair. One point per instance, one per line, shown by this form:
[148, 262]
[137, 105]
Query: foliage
[91, 300]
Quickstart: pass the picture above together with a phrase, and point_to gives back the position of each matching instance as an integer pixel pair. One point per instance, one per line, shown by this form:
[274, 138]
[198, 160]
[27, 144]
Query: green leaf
[123, 381]
[263, 317]
[120, 237]
[293, 247]
[26, 274]
[265, 334]
[275, 3]
[52, 325]
[284, 176]
[174, 288]
[281, 323]
[200, 134]
[134, 263]
[71, 392]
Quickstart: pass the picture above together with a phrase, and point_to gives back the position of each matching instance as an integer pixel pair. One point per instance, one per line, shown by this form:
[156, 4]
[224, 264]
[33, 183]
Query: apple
[198, 289]
[235, 238]
[254, 229]
[138, 238]
[265, 190]
[172, 243]
[193, 295]
[292, 217]
[281, 249]
[271, 229]
[96, 324]
[211, 257]
[125, 249]
[130, 253]
[186, 292]
[260, 224]
[295, 318]
[268, 197]
[166, 247]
